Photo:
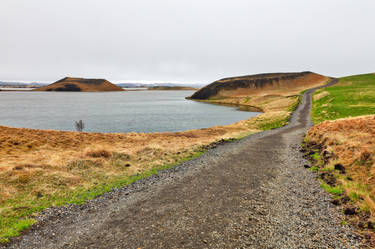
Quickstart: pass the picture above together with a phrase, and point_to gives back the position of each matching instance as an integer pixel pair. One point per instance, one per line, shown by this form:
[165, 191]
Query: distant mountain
[69, 84]
[131, 85]
[150, 85]
[171, 88]
[21, 84]
[123, 85]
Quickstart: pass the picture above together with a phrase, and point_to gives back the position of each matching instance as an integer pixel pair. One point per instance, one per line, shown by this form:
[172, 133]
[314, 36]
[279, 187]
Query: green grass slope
[352, 96]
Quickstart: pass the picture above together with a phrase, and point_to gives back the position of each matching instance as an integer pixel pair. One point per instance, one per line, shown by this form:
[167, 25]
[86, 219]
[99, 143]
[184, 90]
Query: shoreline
[241, 107]
[80, 162]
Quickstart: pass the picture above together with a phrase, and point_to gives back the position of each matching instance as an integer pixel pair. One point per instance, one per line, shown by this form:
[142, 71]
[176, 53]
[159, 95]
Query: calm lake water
[139, 111]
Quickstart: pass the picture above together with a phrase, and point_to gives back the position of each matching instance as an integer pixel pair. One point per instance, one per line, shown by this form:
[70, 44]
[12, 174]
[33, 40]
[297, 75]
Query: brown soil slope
[346, 149]
[350, 142]
[81, 85]
[260, 84]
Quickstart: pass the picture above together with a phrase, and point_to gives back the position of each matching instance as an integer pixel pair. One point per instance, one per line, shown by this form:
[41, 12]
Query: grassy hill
[275, 94]
[260, 85]
[263, 92]
[69, 84]
[352, 96]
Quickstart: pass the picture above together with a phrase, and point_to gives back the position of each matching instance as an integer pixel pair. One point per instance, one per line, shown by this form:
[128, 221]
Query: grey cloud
[183, 40]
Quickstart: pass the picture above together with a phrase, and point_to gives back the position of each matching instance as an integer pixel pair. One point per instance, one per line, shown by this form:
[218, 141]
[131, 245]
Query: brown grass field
[351, 143]
[35, 157]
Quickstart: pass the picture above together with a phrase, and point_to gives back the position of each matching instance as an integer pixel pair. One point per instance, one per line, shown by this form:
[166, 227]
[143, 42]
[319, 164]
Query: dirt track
[253, 193]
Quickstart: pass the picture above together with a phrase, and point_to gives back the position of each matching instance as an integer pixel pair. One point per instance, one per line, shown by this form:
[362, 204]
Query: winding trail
[252, 193]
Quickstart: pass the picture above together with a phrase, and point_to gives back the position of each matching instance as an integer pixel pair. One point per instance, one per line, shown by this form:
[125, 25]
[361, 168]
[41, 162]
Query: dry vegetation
[343, 150]
[43, 168]
[347, 145]
[34, 157]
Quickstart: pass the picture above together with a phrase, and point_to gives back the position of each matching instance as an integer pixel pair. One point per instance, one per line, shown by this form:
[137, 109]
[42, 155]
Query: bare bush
[80, 125]
[99, 153]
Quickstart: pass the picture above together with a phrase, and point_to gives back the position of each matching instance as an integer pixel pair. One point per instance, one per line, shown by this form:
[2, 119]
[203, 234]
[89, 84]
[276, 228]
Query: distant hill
[131, 85]
[171, 88]
[260, 84]
[68, 84]
[149, 85]
[20, 84]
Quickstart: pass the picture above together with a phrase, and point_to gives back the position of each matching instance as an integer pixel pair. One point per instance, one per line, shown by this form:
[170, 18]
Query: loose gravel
[252, 193]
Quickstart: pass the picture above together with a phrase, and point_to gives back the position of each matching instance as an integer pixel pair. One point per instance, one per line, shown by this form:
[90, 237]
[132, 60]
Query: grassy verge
[281, 119]
[341, 147]
[274, 123]
[20, 216]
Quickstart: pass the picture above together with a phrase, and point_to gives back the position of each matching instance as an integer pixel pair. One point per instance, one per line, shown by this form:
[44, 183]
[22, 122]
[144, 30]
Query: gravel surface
[252, 193]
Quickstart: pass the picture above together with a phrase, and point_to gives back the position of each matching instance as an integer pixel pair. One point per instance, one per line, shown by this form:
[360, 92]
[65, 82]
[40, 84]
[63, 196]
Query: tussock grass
[99, 153]
[40, 168]
[350, 142]
[333, 190]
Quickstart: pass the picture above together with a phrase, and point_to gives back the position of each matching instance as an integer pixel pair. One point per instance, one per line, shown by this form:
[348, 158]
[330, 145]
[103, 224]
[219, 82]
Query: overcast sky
[183, 40]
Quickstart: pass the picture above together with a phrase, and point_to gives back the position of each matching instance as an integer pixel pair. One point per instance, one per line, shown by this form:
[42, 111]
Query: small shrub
[79, 125]
[99, 153]
[83, 164]
[353, 196]
[344, 223]
[333, 190]
[18, 167]
[314, 169]
[315, 156]
[24, 178]
[120, 156]
[365, 158]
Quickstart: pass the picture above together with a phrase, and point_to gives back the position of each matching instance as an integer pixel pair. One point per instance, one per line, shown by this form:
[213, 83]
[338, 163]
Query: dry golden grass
[352, 142]
[32, 157]
[40, 168]
[267, 103]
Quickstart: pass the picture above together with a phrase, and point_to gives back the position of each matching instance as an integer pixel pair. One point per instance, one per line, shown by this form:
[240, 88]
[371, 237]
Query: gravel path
[252, 193]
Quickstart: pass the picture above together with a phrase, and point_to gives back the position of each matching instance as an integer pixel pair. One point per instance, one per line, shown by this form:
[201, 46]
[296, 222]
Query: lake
[133, 111]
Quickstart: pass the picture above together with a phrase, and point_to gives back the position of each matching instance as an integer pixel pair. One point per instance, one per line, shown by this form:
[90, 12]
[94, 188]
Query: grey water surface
[133, 111]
